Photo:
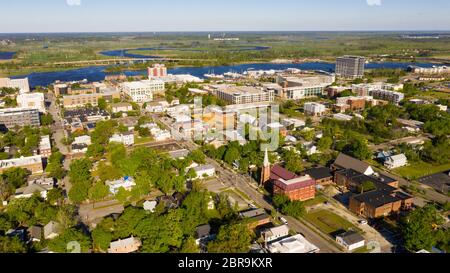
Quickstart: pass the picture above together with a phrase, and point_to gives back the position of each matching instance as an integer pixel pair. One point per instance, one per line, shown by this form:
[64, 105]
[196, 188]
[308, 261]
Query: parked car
[362, 222]
[283, 220]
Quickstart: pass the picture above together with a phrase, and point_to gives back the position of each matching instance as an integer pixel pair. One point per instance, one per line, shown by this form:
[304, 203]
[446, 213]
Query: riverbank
[98, 73]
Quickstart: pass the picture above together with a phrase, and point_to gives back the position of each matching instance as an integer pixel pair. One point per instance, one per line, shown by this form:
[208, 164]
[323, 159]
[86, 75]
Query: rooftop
[23, 161]
[376, 198]
[351, 237]
[294, 244]
[319, 173]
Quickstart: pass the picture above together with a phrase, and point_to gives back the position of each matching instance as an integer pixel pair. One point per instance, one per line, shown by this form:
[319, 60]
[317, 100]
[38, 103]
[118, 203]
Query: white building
[275, 233]
[128, 245]
[204, 171]
[32, 163]
[22, 84]
[150, 205]
[126, 183]
[342, 117]
[350, 240]
[396, 161]
[121, 107]
[126, 139]
[82, 140]
[45, 147]
[294, 244]
[31, 100]
[142, 91]
[391, 96]
[314, 109]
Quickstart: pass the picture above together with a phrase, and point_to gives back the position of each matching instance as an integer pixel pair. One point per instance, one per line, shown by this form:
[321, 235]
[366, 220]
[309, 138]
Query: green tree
[12, 245]
[280, 200]
[325, 143]
[189, 246]
[55, 196]
[366, 186]
[101, 238]
[102, 104]
[61, 243]
[198, 157]
[98, 191]
[47, 119]
[295, 209]
[232, 238]
[231, 155]
[418, 228]
[79, 191]
[16, 177]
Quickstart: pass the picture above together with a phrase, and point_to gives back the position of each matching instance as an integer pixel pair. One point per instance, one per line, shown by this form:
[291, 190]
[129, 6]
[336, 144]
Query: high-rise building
[157, 71]
[350, 67]
[11, 117]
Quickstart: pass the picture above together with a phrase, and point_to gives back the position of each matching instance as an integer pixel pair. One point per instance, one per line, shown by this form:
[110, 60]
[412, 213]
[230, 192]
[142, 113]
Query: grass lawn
[361, 250]
[318, 200]
[415, 171]
[328, 222]
[141, 140]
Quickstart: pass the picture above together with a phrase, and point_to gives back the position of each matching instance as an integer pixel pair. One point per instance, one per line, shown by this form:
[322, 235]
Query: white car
[362, 222]
[283, 220]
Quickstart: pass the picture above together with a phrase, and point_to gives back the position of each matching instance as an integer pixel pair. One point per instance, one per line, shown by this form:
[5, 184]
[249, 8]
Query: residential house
[128, 245]
[45, 147]
[126, 183]
[150, 205]
[35, 233]
[126, 139]
[121, 107]
[344, 161]
[275, 233]
[203, 234]
[350, 240]
[396, 161]
[52, 230]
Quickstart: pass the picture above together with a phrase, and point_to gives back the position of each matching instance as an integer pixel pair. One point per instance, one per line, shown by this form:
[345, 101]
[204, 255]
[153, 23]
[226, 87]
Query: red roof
[278, 172]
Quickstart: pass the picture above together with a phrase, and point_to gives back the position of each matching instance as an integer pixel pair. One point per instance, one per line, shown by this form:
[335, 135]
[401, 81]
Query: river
[97, 73]
[6, 55]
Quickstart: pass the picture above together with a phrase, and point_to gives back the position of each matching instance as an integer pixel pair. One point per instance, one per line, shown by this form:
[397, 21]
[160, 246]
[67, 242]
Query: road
[245, 185]
[59, 134]
[396, 142]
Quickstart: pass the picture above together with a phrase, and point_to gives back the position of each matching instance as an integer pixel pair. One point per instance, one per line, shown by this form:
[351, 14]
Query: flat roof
[240, 90]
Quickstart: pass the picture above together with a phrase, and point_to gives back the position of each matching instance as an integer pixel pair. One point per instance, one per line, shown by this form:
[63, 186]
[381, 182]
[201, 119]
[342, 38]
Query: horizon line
[213, 31]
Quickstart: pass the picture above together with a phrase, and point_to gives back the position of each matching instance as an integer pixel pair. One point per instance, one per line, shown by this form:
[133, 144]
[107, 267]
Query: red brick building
[297, 188]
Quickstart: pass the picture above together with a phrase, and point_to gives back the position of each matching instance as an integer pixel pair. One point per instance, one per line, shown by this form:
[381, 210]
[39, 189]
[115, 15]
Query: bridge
[116, 61]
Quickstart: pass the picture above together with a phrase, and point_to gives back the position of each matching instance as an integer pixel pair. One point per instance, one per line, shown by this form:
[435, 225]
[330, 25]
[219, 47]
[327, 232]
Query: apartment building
[12, 117]
[350, 67]
[32, 163]
[391, 96]
[157, 71]
[22, 84]
[303, 86]
[142, 91]
[314, 109]
[75, 101]
[31, 100]
[242, 94]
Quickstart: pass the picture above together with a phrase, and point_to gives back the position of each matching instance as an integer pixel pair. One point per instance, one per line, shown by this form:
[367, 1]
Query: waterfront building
[350, 67]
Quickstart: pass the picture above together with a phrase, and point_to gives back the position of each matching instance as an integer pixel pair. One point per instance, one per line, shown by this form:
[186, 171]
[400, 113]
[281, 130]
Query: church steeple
[266, 159]
[265, 172]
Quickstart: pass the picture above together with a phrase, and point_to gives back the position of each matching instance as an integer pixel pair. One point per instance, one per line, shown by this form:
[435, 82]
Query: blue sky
[224, 15]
